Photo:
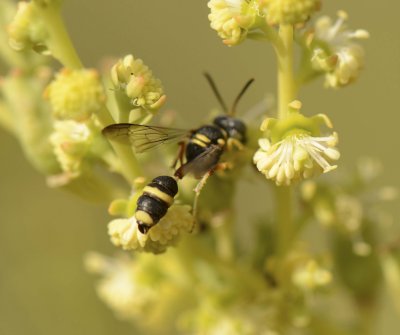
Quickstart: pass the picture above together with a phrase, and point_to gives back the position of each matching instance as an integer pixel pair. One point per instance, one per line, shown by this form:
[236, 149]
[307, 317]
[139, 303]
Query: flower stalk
[286, 94]
[286, 83]
[59, 41]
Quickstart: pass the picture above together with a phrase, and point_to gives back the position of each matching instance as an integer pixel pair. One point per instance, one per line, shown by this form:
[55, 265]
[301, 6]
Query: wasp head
[235, 128]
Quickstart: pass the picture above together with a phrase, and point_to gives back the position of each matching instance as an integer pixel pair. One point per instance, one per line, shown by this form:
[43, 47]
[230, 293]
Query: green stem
[286, 94]
[59, 42]
[286, 228]
[225, 237]
[130, 165]
[286, 82]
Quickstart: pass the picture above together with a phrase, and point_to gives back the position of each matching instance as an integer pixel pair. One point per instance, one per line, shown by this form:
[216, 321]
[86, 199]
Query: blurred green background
[44, 233]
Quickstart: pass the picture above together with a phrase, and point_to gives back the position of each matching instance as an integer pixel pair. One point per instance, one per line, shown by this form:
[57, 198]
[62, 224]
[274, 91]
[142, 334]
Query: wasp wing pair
[145, 137]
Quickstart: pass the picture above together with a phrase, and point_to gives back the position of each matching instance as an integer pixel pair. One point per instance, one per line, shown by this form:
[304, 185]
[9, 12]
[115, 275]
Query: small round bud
[288, 11]
[75, 94]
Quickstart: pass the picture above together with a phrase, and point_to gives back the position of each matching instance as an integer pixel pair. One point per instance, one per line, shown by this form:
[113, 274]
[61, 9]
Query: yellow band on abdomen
[144, 218]
[159, 194]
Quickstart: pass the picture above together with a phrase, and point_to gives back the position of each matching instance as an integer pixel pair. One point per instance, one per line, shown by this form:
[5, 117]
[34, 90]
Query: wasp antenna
[243, 91]
[216, 92]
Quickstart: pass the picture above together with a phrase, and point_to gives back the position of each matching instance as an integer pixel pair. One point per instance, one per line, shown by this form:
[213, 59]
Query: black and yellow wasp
[153, 203]
[200, 148]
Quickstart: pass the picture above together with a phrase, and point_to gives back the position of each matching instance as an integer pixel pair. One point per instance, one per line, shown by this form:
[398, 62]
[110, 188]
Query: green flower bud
[288, 11]
[137, 81]
[233, 19]
[75, 94]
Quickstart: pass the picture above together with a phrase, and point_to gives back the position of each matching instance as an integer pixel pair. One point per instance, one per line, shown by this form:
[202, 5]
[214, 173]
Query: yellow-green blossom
[293, 148]
[349, 211]
[71, 141]
[150, 291]
[27, 29]
[177, 221]
[76, 94]
[288, 11]
[125, 283]
[232, 19]
[218, 316]
[311, 276]
[137, 81]
[336, 52]
[297, 156]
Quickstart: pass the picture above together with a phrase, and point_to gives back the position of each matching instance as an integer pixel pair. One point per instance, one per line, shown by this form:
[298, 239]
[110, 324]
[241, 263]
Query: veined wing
[202, 163]
[144, 137]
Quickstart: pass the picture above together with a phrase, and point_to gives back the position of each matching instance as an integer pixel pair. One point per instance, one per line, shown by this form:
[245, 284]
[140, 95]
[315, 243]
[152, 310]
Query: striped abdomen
[153, 204]
[202, 138]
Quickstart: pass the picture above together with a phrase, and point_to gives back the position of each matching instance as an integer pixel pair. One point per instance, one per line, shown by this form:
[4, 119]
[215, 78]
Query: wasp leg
[234, 143]
[199, 187]
[181, 153]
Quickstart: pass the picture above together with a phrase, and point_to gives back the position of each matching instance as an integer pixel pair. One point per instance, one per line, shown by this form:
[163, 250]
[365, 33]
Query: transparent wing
[144, 137]
[202, 163]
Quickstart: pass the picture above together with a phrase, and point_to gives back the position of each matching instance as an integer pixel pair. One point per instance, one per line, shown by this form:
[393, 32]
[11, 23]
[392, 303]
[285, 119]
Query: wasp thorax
[234, 128]
[153, 204]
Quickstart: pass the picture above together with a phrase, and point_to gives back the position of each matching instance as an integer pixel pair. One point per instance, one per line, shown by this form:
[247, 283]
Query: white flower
[296, 157]
[125, 233]
[346, 58]
[232, 18]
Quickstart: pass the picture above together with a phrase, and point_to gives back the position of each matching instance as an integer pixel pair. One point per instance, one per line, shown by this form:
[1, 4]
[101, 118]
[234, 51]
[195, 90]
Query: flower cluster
[71, 141]
[288, 11]
[27, 30]
[124, 284]
[76, 94]
[233, 19]
[75, 97]
[335, 51]
[137, 81]
[125, 233]
[226, 277]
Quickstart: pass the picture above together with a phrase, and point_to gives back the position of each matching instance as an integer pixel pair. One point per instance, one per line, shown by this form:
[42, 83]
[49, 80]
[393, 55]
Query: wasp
[200, 148]
[153, 203]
